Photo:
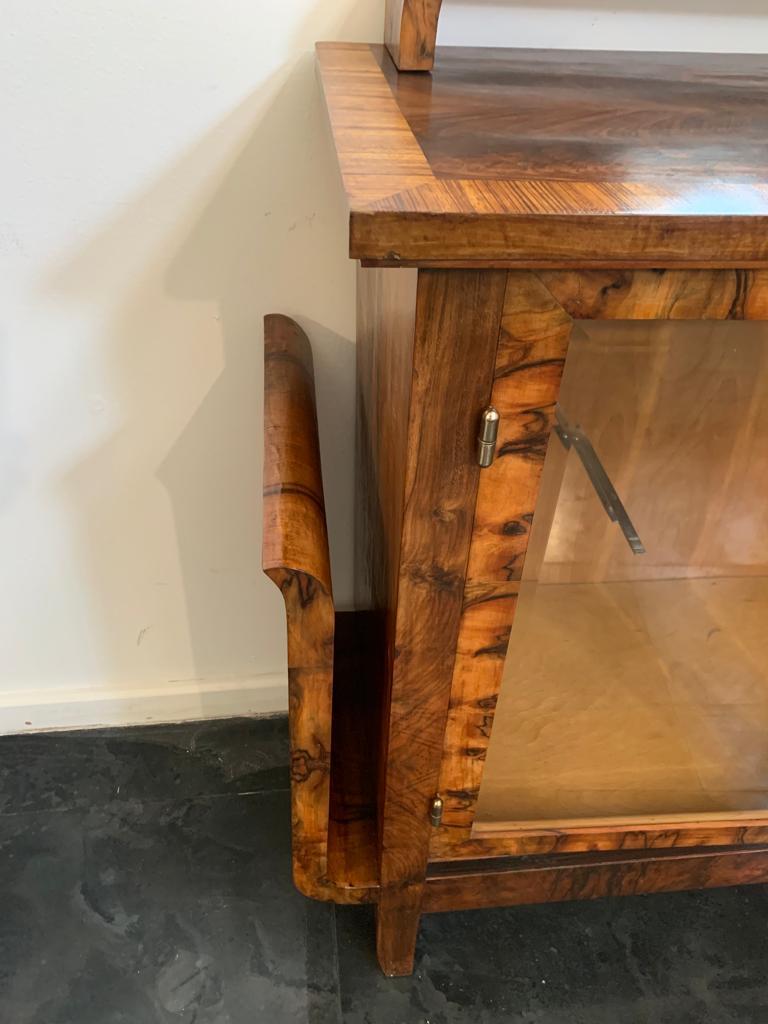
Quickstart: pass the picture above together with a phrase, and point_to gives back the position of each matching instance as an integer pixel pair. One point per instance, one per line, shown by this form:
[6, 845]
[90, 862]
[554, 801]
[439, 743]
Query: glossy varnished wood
[386, 317]
[483, 843]
[660, 294]
[410, 33]
[529, 363]
[456, 334]
[353, 868]
[295, 556]
[678, 413]
[386, 323]
[538, 312]
[537, 157]
[584, 174]
[544, 115]
[638, 703]
[332, 699]
[471, 886]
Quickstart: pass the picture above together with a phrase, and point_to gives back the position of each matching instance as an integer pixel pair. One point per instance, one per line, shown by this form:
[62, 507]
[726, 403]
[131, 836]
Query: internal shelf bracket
[574, 437]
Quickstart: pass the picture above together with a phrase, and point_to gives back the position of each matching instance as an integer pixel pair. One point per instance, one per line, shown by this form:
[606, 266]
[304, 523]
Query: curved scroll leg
[295, 557]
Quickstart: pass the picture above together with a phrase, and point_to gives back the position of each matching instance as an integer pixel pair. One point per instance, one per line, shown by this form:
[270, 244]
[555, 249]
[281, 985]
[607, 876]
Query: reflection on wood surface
[634, 698]
[638, 685]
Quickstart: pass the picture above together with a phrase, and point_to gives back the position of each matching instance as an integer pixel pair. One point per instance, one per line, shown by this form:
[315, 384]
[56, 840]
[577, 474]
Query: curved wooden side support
[295, 556]
[410, 32]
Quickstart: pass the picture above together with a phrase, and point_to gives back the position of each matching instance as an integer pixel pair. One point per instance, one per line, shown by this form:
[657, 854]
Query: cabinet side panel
[386, 315]
[457, 331]
[386, 311]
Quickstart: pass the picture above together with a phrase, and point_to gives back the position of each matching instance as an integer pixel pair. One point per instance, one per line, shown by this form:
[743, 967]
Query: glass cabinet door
[636, 678]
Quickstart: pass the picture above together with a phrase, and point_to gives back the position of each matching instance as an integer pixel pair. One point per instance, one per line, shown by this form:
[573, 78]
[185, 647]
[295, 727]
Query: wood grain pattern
[386, 316]
[558, 234]
[639, 162]
[660, 294]
[490, 159]
[480, 843]
[295, 556]
[410, 33]
[559, 115]
[457, 330]
[678, 416]
[591, 877]
[638, 262]
[692, 295]
[353, 868]
[634, 702]
[529, 363]
[375, 147]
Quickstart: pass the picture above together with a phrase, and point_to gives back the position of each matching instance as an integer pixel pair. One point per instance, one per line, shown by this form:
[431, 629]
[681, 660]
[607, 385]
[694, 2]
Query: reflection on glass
[637, 685]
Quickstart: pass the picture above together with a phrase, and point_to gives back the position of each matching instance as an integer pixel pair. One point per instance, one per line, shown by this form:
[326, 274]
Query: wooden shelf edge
[473, 885]
[521, 239]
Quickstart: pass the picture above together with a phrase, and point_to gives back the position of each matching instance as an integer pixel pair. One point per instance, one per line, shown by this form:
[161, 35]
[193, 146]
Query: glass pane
[636, 685]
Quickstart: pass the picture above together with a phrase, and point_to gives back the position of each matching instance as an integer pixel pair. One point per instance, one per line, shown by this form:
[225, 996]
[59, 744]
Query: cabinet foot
[397, 926]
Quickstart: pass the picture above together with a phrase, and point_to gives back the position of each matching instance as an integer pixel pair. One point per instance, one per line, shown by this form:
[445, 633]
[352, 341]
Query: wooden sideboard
[579, 242]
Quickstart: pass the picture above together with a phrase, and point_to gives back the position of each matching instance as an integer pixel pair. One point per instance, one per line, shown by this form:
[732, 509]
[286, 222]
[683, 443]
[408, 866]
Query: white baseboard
[182, 701]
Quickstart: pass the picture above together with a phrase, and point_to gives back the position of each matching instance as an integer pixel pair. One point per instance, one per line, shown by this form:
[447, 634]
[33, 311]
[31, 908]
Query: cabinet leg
[397, 925]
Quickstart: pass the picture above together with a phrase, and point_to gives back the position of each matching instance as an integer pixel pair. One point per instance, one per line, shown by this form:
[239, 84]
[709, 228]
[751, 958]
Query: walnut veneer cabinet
[556, 684]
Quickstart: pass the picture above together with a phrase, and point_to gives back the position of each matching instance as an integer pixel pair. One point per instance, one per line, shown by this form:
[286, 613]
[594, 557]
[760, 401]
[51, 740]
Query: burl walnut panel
[538, 311]
[529, 364]
[590, 876]
[454, 345]
[295, 556]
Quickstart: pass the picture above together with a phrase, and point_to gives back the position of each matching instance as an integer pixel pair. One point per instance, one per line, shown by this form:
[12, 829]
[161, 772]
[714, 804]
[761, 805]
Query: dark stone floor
[144, 879]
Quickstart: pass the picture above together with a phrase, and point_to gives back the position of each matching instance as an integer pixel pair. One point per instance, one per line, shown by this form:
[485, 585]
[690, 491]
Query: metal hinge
[486, 438]
[436, 810]
[574, 437]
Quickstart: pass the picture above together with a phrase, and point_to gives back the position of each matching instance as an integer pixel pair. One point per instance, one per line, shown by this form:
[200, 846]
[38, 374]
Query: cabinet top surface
[552, 157]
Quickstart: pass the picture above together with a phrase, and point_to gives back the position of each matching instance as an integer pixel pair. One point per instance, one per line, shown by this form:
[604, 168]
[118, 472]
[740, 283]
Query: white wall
[166, 181]
[707, 26]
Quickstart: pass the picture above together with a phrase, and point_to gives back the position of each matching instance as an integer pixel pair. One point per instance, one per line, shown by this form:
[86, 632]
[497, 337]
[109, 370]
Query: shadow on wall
[260, 251]
[183, 353]
[669, 25]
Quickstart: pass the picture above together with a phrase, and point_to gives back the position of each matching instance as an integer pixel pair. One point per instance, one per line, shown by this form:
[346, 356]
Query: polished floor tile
[64, 770]
[145, 879]
[155, 885]
[683, 958]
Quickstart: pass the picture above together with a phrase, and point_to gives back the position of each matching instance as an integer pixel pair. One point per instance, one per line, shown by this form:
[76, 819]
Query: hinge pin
[436, 810]
[486, 439]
